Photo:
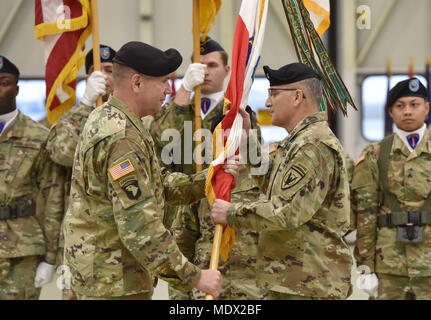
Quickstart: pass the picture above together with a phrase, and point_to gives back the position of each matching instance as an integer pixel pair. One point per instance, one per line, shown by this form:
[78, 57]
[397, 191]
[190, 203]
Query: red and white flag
[248, 40]
[63, 25]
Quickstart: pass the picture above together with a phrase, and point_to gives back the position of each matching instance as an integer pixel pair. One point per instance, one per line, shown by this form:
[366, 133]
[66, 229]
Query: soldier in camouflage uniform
[31, 197]
[65, 132]
[393, 246]
[191, 225]
[302, 221]
[114, 236]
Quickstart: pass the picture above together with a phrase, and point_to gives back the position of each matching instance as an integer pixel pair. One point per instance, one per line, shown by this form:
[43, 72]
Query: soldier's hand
[44, 274]
[246, 122]
[219, 211]
[369, 283]
[233, 166]
[95, 86]
[194, 76]
[210, 282]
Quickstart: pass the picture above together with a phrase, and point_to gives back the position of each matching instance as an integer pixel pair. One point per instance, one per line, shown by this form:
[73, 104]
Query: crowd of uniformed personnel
[99, 193]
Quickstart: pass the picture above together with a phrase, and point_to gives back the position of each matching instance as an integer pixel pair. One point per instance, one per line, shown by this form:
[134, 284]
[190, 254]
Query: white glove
[44, 274]
[369, 283]
[96, 85]
[194, 76]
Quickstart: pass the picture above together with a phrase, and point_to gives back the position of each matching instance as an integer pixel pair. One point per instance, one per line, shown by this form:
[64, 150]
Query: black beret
[8, 67]
[106, 55]
[147, 59]
[290, 73]
[408, 88]
[209, 45]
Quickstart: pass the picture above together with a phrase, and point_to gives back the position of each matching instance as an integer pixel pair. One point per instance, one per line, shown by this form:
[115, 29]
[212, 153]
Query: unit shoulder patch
[293, 176]
[360, 159]
[132, 190]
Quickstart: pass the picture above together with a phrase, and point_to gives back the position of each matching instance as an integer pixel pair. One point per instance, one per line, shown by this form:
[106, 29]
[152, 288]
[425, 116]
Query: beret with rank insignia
[289, 73]
[408, 88]
[106, 55]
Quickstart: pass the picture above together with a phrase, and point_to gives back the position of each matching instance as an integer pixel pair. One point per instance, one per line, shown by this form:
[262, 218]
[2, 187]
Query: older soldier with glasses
[302, 221]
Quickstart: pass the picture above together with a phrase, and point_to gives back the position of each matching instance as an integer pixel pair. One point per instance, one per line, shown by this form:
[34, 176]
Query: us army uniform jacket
[304, 217]
[114, 236]
[31, 187]
[409, 178]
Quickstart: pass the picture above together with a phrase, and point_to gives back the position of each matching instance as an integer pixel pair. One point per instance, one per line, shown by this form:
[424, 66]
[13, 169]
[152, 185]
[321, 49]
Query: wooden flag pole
[215, 252]
[96, 42]
[197, 97]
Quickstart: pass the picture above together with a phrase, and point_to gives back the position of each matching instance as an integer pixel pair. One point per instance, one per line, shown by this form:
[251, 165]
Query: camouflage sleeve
[297, 194]
[182, 188]
[51, 179]
[138, 214]
[259, 161]
[185, 228]
[63, 139]
[365, 205]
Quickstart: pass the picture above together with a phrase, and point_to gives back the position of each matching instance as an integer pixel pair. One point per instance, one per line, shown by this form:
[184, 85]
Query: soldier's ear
[136, 82]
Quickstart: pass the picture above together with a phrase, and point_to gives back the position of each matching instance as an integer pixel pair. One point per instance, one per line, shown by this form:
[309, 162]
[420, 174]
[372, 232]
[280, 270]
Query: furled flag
[207, 13]
[311, 51]
[248, 40]
[319, 14]
[63, 25]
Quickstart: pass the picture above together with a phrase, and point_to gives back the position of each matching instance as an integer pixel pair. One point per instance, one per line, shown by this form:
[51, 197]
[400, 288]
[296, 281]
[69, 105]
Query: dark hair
[223, 55]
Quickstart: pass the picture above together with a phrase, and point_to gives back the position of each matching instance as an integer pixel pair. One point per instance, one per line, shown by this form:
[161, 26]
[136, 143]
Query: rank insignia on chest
[132, 190]
[205, 105]
[413, 140]
[293, 176]
[121, 169]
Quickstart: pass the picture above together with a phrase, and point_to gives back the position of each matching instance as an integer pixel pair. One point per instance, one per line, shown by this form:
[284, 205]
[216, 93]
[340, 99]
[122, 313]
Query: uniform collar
[215, 99]
[8, 119]
[112, 101]
[304, 123]
[423, 146]
[11, 129]
[404, 134]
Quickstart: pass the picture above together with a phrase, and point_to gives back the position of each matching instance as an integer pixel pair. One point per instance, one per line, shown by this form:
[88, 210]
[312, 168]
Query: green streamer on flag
[311, 51]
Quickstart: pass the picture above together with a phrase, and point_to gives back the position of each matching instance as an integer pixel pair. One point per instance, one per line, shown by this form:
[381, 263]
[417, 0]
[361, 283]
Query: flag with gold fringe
[248, 40]
[311, 51]
[319, 14]
[63, 25]
[208, 10]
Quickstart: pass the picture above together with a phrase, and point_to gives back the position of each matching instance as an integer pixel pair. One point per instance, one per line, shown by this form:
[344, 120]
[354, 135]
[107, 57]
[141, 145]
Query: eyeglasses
[271, 91]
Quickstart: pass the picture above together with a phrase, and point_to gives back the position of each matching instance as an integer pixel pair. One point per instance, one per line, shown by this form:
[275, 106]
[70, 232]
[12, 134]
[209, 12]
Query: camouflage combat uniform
[403, 269]
[31, 207]
[114, 236]
[192, 225]
[301, 252]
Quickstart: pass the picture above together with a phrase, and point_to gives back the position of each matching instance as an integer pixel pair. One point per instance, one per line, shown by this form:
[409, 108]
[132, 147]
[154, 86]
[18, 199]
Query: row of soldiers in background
[274, 229]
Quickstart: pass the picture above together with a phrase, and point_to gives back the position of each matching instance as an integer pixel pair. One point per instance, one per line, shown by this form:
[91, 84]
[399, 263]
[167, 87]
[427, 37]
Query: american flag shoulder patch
[360, 159]
[121, 169]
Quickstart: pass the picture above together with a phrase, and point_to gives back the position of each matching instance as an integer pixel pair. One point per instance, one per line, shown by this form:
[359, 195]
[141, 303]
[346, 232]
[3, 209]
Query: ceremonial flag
[248, 40]
[319, 14]
[207, 13]
[63, 25]
[311, 51]
[388, 119]
[411, 67]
